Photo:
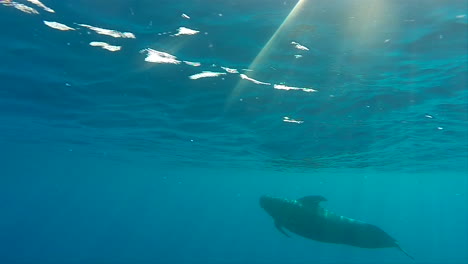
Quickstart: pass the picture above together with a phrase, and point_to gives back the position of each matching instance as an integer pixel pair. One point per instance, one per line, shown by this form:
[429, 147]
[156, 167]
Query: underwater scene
[234, 131]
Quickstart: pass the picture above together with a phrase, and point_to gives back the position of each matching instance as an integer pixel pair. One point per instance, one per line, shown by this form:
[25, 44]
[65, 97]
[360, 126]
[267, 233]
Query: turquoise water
[129, 155]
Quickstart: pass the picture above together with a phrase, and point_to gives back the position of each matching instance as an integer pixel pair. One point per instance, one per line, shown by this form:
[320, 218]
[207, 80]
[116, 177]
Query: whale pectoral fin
[404, 251]
[280, 228]
[312, 200]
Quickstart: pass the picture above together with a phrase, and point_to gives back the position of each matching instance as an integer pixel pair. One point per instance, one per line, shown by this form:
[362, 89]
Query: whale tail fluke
[404, 251]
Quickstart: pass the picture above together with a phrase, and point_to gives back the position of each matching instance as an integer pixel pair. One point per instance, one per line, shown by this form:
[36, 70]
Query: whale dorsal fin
[312, 200]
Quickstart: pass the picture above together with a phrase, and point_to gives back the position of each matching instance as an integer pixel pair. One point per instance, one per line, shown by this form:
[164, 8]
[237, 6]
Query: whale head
[277, 207]
[280, 208]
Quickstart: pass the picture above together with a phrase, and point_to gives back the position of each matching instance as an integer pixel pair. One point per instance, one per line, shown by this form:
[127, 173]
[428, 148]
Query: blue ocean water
[146, 131]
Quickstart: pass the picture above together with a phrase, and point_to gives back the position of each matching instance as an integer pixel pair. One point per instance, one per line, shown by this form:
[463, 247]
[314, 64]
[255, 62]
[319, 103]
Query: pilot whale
[305, 217]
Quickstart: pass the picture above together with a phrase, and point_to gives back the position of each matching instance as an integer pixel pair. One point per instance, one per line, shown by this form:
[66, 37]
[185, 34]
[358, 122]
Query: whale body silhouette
[305, 217]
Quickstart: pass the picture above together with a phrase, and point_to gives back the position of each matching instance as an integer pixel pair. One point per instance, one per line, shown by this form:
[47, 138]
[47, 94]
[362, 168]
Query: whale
[307, 218]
